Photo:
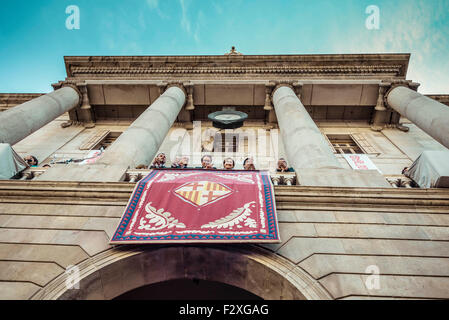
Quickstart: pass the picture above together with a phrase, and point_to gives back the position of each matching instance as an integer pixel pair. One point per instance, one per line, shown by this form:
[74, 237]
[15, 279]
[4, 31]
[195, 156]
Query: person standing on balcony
[183, 163]
[206, 162]
[282, 166]
[180, 163]
[159, 161]
[228, 164]
[31, 161]
[248, 164]
[175, 164]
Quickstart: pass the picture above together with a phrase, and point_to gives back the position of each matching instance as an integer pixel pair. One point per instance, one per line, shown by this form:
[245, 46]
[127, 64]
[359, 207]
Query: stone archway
[124, 268]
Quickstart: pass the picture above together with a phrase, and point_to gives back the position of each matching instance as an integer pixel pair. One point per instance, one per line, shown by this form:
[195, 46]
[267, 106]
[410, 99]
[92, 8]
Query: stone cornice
[443, 98]
[388, 65]
[321, 70]
[18, 98]
[9, 100]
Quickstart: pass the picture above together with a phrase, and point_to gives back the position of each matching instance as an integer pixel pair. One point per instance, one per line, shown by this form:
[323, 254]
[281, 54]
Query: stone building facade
[337, 225]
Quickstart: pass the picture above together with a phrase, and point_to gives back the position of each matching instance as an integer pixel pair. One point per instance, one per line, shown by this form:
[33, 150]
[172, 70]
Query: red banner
[196, 205]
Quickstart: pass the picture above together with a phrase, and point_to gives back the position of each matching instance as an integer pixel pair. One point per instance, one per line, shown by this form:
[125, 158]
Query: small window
[108, 140]
[344, 144]
[226, 142]
[102, 138]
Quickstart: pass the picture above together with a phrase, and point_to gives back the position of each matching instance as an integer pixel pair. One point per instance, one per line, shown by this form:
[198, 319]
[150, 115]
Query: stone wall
[329, 239]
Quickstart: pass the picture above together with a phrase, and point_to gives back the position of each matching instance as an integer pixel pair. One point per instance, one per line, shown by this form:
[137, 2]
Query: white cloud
[199, 24]
[217, 7]
[154, 5]
[185, 22]
[194, 28]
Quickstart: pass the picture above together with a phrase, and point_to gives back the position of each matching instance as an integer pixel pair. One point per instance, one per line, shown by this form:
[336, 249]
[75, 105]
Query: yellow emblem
[201, 193]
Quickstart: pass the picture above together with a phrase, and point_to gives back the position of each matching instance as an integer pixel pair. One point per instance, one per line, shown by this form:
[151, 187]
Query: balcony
[278, 179]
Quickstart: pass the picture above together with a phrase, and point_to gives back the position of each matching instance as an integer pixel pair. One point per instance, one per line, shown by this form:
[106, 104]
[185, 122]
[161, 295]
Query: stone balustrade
[33, 172]
[278, 179]
[283, 179]
[401, 181]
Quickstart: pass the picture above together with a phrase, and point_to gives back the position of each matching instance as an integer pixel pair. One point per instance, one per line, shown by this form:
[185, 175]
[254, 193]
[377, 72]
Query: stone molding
[314, 70]
[118, 193]
[395, 65]
[18, 98]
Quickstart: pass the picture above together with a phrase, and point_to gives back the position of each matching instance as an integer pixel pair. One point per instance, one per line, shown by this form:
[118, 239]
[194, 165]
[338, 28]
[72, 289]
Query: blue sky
[34, 38]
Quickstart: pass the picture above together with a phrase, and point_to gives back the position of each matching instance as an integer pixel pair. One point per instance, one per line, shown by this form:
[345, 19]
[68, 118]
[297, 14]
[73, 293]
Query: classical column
[429, 115]
[141, 141]
[304, 143]
[22, 120]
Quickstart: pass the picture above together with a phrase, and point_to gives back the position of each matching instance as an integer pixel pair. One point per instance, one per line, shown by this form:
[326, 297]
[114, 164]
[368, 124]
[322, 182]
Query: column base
[377, 128]
[89, 125]
[403, 128]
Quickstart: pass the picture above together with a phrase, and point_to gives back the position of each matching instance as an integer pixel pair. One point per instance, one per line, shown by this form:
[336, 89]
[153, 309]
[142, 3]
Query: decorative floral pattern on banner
[196, 205]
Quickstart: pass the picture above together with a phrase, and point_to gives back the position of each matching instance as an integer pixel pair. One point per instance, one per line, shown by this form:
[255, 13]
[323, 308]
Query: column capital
[390, 86]
[178, 84]
[295, 85]
[280, 84]
[283, 84]
[73, 85]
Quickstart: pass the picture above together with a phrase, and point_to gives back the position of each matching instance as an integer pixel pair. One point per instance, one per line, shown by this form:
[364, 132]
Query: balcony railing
[401, 181]
[278, 179]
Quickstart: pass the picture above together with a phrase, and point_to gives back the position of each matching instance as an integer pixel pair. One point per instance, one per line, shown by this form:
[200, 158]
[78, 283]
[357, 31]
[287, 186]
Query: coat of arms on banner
[200, 206]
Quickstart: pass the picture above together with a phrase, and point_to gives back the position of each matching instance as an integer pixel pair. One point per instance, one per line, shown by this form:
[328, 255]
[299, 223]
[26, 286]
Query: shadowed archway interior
[188, 289]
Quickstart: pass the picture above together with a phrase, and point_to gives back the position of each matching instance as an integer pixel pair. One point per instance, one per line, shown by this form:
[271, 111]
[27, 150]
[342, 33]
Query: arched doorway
[123, 269]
